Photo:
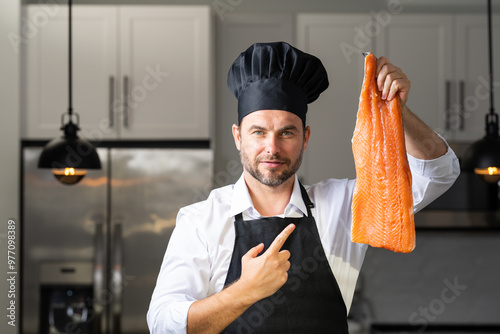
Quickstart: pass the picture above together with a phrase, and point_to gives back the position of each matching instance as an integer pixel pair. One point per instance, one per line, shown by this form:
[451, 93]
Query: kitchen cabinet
[166, 54]
[472, 73]
[336, 40]
[421, 45]
[445, 57]
[45, 72]
[139, 72]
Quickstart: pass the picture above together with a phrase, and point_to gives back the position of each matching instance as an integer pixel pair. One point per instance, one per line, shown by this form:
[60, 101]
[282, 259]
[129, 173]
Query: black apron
[310, 301]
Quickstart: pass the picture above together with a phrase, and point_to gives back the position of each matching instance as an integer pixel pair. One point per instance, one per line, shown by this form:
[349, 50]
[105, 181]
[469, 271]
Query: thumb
[254, 251]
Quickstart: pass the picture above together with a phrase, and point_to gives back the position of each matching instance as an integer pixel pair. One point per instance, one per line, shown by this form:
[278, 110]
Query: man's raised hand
[263, 275]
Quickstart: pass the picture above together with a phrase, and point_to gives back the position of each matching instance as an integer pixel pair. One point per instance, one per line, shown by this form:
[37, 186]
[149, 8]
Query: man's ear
[237, 136]
[307, 134]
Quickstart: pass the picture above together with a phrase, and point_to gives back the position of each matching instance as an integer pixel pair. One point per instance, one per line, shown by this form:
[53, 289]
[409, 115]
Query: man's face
[271, 145]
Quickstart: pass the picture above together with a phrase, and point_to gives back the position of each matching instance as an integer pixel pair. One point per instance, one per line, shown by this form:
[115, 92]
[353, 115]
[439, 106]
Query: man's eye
[286, 133]
[259, 133]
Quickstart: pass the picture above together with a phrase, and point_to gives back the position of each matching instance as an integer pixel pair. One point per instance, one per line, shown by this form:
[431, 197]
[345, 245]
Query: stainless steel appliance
[65, 305]
[92, 251]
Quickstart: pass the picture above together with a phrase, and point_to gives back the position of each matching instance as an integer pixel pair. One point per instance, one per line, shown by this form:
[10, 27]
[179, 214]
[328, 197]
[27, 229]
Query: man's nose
[272, 144]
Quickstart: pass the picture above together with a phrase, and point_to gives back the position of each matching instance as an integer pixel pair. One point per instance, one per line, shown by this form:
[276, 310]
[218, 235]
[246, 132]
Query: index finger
[279, 241]
[381, 61]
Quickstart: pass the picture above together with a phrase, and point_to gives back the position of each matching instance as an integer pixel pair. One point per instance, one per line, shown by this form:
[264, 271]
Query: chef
[268, 254]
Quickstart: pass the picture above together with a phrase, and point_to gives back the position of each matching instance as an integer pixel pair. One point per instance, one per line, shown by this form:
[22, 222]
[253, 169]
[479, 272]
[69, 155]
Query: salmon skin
[382, 206]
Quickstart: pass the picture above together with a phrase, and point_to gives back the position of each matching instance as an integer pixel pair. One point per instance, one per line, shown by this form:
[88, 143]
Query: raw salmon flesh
[382, 207]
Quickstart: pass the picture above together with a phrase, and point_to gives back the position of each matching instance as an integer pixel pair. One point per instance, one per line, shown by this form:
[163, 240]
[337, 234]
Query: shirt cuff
[175, 318]
[434, 167]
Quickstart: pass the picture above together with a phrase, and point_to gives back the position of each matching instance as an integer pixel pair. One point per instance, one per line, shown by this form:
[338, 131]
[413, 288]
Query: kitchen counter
[434, 329]
[458, 220]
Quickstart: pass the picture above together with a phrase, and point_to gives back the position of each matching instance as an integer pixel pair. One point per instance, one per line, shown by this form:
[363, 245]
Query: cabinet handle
[462, 104]
[111, 114]
[448, 104]
[125, 102]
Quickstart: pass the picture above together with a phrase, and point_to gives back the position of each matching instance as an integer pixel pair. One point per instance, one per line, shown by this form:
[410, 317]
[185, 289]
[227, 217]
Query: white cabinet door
[166, 63]
[421, 45]
[334, 40]
[46, 71]
[473, 73]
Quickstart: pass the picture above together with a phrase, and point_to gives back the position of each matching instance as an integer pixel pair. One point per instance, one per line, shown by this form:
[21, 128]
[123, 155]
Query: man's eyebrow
[285, 128]
[288, 127]
[256, 127]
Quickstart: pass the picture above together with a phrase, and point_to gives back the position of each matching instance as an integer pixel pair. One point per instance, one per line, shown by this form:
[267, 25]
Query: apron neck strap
[307, 200]
[305, 197]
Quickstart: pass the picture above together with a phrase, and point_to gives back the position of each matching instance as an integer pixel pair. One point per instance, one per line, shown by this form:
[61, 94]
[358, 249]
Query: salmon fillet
[382, 206]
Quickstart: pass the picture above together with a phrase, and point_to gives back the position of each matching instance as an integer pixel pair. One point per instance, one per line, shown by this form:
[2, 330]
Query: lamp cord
[490, 44]
[70, 100]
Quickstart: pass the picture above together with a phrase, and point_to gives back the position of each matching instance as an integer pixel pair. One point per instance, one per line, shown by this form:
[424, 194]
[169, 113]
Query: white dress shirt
[200, 248]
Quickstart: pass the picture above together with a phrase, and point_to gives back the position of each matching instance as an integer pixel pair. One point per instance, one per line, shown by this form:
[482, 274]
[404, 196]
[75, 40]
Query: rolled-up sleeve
[431, 178]
[183, 278]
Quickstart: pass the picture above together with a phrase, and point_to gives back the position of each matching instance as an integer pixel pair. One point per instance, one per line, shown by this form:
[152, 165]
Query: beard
[275, 178]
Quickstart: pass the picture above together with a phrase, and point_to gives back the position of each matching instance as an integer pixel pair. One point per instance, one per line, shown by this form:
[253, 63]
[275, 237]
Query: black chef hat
[276, 76]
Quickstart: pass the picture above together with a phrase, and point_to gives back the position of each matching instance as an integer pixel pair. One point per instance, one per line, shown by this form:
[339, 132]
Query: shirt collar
[242, 201]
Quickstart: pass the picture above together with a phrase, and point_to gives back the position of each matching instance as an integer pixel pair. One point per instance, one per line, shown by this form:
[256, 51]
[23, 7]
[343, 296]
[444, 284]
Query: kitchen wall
[9, 152]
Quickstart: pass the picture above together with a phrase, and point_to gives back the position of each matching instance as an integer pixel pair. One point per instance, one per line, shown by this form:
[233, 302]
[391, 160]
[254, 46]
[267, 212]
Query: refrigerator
[91, 252]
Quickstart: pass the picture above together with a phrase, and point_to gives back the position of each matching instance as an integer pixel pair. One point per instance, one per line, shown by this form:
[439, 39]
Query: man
[268, 255]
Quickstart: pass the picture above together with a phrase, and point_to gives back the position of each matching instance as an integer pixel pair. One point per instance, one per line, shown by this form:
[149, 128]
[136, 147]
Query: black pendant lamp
[483, 156]
[69, 157]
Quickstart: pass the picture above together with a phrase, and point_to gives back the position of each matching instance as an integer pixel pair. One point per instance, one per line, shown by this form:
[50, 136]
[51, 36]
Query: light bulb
[488, 174]
[69, 175]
